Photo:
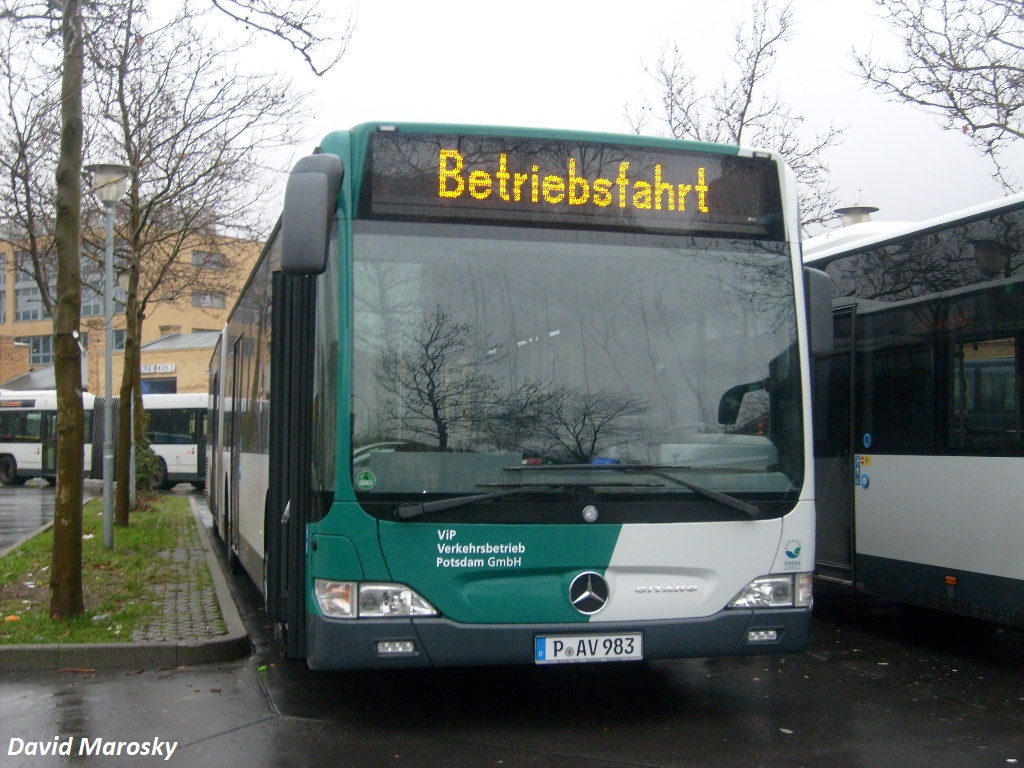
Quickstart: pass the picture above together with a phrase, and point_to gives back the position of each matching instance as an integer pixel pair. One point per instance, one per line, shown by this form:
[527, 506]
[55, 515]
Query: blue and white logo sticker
[793, 549]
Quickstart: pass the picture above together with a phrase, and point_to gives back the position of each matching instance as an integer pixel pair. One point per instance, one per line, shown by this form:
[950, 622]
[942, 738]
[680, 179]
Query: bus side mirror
[310, 202]
[732, 400]
[819, 311]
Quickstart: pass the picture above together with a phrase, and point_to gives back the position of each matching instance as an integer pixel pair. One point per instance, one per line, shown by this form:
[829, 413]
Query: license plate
[573, 649]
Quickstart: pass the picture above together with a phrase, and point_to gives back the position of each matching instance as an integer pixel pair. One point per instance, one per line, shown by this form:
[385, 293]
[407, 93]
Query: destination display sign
[569, 183]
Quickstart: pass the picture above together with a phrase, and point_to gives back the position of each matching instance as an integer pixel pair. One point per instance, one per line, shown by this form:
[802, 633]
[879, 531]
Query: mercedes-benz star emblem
[588, 593]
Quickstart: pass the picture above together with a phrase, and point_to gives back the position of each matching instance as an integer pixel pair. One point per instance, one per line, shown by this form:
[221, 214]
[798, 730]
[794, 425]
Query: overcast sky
[578, 64]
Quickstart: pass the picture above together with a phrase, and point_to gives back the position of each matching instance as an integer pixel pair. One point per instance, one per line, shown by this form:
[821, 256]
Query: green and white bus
[507, 396]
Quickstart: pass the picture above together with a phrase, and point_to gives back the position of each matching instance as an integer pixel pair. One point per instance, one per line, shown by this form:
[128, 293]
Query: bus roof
[873, 234]
[43, 397]
[179, 400]
[364, 129]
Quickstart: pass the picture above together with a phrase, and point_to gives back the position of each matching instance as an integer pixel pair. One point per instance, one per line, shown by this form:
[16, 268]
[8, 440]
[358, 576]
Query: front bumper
[438, 642]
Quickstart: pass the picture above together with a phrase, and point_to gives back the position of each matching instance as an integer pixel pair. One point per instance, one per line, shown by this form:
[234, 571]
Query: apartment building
[177, 335]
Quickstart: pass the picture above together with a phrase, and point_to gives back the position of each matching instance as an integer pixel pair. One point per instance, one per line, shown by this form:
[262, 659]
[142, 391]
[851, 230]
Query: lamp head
[109, 181]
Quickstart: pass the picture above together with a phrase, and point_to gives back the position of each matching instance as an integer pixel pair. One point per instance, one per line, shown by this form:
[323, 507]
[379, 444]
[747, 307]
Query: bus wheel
[9, 471]
[159, 481]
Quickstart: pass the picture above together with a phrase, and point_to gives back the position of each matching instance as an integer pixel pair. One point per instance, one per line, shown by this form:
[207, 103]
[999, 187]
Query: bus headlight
[336, 598]
[789, 591]
[352, 600]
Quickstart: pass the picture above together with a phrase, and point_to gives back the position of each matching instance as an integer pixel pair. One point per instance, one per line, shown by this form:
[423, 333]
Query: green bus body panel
[335, 554]
[347, 521]
[507, 574]
[517, 574]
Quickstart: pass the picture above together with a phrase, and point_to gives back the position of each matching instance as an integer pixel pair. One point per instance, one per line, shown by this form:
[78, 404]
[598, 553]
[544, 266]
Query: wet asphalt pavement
[23, 510]
[882, 685]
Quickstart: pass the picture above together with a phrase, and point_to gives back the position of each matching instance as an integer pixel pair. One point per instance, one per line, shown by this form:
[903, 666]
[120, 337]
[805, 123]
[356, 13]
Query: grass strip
[120, 586]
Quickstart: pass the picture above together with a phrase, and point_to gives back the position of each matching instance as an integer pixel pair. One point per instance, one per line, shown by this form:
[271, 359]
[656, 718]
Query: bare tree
[47, 18]
[436, 378]
[66, 599]
[586, 424]
[30, 121]
[741, 111]
[962, 60]
[197, 134]
[298, 24]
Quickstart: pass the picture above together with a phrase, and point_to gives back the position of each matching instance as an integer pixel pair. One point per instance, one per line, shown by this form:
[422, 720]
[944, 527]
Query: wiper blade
[407, 511]
[724, 499]
[750, 510]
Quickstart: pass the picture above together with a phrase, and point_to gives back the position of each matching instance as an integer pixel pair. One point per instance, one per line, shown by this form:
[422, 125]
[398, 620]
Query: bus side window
[984, 393]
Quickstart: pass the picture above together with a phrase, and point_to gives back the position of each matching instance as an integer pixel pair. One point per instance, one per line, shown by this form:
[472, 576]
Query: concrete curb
[230, 647]
[26, 537]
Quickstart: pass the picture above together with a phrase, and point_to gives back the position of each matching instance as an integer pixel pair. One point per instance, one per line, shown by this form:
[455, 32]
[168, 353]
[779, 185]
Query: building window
[40, 349]
[3, 287]
[92, 293]
[209, 300]
[159, 386]
[209, 260]
[28, 303]
[92, 302]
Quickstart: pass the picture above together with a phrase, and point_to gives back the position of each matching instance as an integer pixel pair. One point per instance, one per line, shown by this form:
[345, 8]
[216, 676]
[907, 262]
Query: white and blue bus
[28, 430]
[28, 436]
[506, 396]
[919, 411]
[177, 434]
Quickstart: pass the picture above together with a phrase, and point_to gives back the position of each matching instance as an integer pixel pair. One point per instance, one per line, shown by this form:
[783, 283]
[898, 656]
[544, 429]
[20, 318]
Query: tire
[160, 481]
[9, 471]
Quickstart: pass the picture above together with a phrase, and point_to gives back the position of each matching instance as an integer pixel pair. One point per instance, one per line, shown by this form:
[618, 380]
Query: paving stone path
[191, 611]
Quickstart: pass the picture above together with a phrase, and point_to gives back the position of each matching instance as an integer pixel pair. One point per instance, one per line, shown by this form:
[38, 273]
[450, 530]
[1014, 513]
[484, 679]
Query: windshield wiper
[724, 499]
[407, 511]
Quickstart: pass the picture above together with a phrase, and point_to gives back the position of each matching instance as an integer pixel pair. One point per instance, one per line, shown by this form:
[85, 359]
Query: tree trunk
[66, 566]
[129, 375]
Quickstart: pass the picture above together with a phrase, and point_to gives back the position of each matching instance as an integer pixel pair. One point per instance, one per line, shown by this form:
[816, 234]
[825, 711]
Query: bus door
[834, 454]
[290, 496]
[201, 420]
[235, 449]
[48, 444]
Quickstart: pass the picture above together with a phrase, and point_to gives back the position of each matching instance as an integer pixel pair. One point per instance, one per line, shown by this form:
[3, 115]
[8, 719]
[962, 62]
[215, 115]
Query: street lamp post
[109, 182]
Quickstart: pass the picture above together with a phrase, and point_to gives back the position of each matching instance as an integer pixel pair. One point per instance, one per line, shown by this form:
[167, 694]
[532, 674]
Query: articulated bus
[500, 396]
[28, 436]
[919, 448]
[28, 429]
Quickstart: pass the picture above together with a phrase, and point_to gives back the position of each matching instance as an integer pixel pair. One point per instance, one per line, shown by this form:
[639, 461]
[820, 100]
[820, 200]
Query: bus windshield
[486, 357]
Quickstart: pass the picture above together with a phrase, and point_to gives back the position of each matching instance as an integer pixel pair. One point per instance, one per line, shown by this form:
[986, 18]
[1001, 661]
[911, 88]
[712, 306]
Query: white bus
[28, 435]
[919, 448]
[28, 429]
[177, 435]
